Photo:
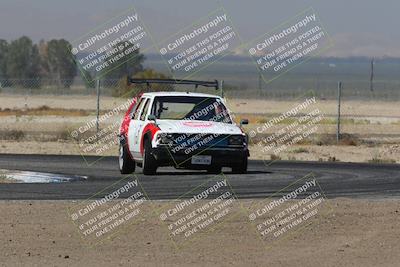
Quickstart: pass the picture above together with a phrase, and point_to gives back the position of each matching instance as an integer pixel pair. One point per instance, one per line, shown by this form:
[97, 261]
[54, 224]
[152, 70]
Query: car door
[142, 121]
[134, 127]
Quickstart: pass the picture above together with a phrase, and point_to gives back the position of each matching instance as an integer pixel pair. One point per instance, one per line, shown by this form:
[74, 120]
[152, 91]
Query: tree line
[23, 63]
[26, 64]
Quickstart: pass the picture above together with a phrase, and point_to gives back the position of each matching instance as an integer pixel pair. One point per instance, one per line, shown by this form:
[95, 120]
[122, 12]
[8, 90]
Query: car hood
[193, 127]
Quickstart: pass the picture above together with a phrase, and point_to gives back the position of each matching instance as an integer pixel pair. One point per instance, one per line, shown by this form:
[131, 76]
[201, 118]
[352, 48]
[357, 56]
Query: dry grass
[48, 136]
[319, 140]
[330, 139]
[16, 135]
[300, 150]
[381, 160]
[264, 118]
[275, 157]
[45, 111]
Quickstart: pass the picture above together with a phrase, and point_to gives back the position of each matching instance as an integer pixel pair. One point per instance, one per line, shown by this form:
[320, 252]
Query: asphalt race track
[356, 180]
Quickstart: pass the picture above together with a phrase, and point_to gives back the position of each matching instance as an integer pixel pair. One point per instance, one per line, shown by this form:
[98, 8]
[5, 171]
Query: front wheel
[149, 164]
[240, 168]
[126, 163]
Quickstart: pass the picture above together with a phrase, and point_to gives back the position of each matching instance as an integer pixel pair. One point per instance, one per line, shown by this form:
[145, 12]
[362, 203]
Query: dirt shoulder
[349, 107]
[38, 124]
[348, 233]
[385, 153]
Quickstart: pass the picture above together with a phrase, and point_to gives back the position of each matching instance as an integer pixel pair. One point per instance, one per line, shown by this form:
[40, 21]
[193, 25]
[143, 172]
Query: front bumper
[220, 156]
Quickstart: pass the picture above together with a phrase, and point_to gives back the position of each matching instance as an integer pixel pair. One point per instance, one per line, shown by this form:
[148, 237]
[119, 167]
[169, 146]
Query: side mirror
[151, 117]
[244, 122]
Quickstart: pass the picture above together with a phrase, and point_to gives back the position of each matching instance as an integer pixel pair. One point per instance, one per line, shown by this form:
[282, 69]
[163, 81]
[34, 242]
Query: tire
[240, 168]
[214, 170]
[126, 163]
[149, 164]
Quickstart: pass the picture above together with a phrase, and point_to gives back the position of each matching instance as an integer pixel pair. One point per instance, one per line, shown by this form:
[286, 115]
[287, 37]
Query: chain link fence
[278, 90]
[368, 114]
[352, 89]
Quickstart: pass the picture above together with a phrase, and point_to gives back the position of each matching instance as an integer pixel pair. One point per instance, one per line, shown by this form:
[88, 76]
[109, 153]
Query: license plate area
[201, 160]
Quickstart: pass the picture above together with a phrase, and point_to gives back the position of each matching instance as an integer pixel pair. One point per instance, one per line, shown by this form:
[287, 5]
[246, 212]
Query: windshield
[190, 108]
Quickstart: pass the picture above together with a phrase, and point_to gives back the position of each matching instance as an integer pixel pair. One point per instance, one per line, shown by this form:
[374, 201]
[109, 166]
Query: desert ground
[43, 124]
[344, 233]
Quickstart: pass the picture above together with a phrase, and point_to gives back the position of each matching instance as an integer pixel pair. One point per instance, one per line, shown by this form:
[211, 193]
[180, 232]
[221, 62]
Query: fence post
[371, 80]
[222, 88]
[98, 104]
[339, 94]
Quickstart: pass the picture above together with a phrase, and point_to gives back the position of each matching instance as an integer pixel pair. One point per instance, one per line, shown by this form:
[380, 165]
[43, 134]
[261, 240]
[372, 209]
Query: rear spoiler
[214, 84]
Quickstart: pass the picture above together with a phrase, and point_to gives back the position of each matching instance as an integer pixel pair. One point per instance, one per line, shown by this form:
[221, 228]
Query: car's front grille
[199, 141]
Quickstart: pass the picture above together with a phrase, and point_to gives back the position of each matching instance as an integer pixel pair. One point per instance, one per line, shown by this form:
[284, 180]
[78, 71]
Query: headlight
[236, 140]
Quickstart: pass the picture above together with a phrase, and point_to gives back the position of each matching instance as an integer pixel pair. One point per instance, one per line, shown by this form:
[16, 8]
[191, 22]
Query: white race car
[181, 129]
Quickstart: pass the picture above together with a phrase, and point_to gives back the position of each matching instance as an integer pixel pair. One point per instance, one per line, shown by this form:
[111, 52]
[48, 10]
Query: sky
[357, 27]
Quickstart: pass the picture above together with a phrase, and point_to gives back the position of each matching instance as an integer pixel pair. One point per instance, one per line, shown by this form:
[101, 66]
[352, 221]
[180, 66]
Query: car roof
[153, 94]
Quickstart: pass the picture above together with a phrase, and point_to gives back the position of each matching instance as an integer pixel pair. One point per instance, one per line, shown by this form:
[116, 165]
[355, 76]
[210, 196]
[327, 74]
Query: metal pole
[371, 79]
[339, 92]
[222, 87]
[98, 104]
